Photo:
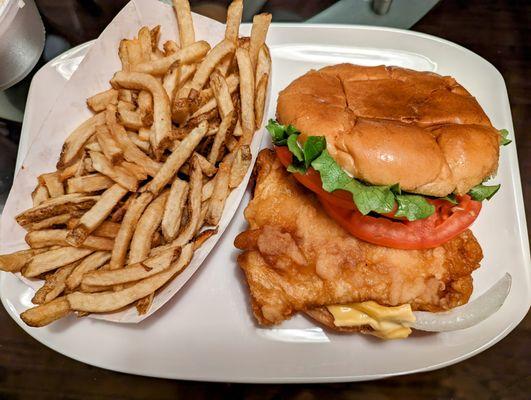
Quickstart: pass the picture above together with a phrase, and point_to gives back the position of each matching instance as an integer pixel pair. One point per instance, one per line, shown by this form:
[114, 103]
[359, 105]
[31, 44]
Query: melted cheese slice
[386, 322]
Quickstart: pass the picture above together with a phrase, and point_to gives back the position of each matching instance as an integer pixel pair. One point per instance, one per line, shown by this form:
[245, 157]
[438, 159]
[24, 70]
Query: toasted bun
[388, 125]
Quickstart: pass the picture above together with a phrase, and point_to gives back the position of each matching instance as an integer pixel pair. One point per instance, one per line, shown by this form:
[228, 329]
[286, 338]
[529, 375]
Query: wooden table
[497, 30]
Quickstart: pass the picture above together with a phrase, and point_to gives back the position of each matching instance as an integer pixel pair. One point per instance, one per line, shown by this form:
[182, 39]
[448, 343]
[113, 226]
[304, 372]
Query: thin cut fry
[219, 139]
[89, 263]
[155, 36]
[71, 170]
[39, 195]
[124, 56]
[54, 284]
[145, 228]
[258, 35]
[259, 101]
[207, 167]
[46, 313]
[263, 64]
[202, 237]
[54, 259]
[53, 183]
[107, 229]
[208, 188]
[161, 102]
[206, 67]
[57, 237]
[221, 92]
[56, 206]
[50, 222]
[194, 204]
[170, 47]
[141, 144]
[232, 27]
[176, 159]
[108, 145]
[96, 215]
[131, 119]
[105, 302]
[187, 55]
[246, 94]
[134, 272]
[219, 194]
[75, 141]
[171, 220]
[144, 38]
[240, 165]
[131, 217]
[170, 81]
[88, 183]
[100, 101]
[234, 17]
[121, 176]
[131, 152]
[232, 82]
[14, 262]
[185, 22]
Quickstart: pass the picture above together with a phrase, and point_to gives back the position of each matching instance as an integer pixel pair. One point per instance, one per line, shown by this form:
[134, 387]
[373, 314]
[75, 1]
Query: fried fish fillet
[295, 258]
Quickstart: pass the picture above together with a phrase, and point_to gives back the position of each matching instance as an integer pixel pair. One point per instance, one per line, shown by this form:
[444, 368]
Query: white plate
[206, 332]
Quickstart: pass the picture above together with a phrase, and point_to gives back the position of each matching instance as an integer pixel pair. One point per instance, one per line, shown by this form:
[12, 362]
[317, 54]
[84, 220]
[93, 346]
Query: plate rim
[522, 230]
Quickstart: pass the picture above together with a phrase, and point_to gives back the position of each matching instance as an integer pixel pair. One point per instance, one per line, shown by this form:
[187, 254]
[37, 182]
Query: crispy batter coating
[296, 258]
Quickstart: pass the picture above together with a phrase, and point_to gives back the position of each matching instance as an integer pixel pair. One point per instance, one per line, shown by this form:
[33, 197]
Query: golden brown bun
[388, 125]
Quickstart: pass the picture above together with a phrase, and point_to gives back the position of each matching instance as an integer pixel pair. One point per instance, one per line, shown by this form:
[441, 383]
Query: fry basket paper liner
[70, 110]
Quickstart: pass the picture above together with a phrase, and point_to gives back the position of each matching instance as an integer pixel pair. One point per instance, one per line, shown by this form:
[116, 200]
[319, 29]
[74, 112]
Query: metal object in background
[400, 14]
[21, 40]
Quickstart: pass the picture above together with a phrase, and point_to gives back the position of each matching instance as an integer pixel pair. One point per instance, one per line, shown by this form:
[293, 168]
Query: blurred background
[498, 30]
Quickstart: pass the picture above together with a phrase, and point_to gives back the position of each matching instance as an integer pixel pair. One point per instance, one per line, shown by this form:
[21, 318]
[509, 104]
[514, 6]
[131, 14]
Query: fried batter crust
[295, 258]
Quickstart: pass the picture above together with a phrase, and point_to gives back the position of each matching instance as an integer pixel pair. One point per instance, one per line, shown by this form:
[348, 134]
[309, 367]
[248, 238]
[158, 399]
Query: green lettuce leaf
[413, 207]
[367, 198]
[504, 133]
[293, 146]
[482, 192]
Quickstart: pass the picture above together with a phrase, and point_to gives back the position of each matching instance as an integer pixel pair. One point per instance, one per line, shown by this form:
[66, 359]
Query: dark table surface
[499, 31]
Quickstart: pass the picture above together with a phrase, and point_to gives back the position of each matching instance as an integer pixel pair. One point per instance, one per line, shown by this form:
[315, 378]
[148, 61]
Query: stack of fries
[142, 183]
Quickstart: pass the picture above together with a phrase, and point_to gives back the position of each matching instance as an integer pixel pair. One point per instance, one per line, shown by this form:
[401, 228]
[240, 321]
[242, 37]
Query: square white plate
[206, 332]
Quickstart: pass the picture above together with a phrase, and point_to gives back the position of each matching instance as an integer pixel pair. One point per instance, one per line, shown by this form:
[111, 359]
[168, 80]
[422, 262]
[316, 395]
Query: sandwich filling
[386, 322]
[380, 214]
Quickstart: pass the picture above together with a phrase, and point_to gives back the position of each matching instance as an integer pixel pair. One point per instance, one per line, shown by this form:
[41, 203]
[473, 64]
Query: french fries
[142, 184]
[100, 101]
[96, 215]
[75, 141]
[171, 219]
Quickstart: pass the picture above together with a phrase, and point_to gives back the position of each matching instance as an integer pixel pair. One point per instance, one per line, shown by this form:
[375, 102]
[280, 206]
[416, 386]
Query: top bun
[387, 125]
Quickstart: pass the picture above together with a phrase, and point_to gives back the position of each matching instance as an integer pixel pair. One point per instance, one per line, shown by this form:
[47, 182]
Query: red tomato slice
[440, 227]
[448, 221]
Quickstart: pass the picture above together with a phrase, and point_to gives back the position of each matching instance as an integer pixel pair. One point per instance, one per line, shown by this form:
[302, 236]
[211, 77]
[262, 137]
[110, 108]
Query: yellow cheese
[386, 322]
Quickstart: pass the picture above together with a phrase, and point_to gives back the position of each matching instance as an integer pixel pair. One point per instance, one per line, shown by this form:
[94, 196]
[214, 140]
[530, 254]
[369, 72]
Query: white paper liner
[70, 110]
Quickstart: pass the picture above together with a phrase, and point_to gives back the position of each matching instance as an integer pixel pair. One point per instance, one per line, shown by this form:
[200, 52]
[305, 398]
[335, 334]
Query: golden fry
[176, 159]
[100, 101]
[96, 215]
[259, 30]
[131, 217]
[54, 259]
[171, 220]
[89, 263]
[148, 223]
[106, 302]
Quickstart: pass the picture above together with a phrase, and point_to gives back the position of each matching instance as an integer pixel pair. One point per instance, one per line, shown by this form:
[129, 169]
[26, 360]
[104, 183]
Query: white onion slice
[467, 315]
